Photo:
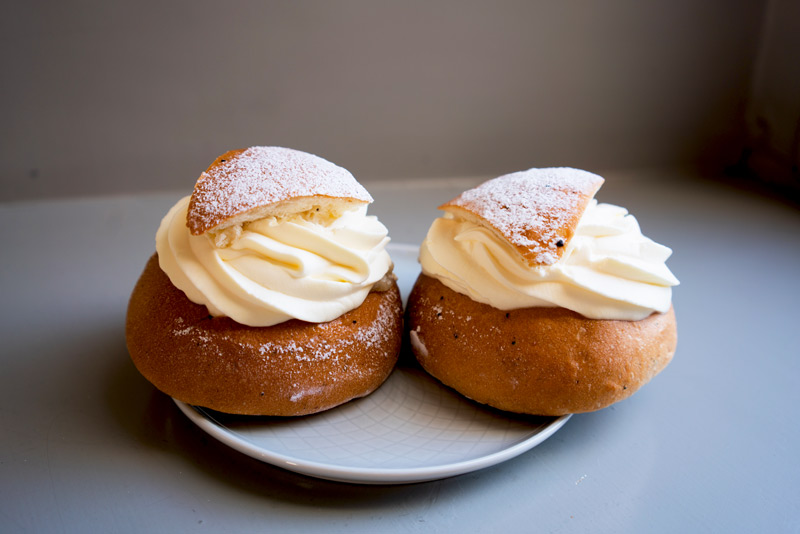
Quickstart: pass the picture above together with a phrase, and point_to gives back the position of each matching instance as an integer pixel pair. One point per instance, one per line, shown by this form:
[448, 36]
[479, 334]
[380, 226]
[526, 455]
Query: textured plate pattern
[411, 430]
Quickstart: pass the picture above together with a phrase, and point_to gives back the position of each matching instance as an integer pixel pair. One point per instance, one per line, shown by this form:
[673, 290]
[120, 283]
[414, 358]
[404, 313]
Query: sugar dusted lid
[536, 210]
[245, 181]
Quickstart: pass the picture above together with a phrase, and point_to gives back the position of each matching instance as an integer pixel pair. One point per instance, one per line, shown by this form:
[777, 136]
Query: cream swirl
[277, 269]
[609, 270]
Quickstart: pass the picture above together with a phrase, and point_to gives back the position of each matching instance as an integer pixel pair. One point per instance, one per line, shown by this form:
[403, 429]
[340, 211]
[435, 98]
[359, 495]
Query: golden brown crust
[242, 181]
[536, 210]
[543, 361]
[293, 368]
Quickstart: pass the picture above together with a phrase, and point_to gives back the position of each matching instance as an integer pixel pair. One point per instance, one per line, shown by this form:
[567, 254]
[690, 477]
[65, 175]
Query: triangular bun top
[248, 184]
[536, 210]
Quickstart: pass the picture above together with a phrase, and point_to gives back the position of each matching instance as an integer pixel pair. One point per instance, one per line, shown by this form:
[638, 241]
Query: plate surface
[412, 429]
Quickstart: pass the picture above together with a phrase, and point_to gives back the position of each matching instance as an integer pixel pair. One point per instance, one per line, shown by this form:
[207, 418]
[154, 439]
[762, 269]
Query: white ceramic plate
[412, 429]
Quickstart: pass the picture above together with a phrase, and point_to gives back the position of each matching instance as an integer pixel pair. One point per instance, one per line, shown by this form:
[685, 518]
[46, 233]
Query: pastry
[270, 292]
[534, 298]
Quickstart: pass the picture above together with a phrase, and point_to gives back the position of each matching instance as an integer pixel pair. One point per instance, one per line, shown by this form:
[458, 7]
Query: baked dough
[543, 361]
[536, 213]
[292, 368]
[246, 185]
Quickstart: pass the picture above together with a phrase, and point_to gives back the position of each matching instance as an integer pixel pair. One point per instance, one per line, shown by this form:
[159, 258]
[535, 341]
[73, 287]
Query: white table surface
[711, 445]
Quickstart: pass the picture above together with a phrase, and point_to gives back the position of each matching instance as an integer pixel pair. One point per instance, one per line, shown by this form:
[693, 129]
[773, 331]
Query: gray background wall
[105, 97]
[773, 111]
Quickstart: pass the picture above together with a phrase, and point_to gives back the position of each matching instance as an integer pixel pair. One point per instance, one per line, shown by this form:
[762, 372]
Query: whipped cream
[300, 267]
[609, 270]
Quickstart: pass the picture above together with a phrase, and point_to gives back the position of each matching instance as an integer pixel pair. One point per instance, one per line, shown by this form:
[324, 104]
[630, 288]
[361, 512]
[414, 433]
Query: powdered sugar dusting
[339, 353]
[417, 344]
[535, 210]
[305, 392]
[320, 349]
[258, 176]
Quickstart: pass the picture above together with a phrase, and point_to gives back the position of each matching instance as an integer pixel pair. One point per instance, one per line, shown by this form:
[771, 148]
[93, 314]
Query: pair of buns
[546, 361]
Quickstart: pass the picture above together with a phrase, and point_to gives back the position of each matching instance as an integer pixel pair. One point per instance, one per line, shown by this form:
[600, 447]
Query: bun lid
[249, 184]
[535, 211]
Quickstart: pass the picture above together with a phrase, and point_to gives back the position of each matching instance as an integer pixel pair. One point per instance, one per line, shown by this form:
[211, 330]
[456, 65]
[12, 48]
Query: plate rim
[365, 475]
